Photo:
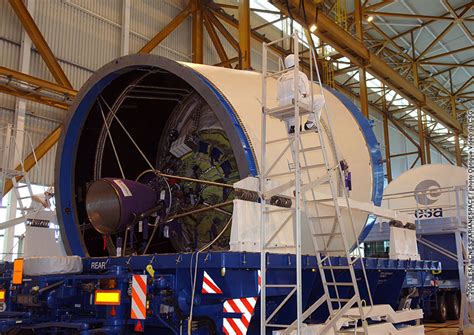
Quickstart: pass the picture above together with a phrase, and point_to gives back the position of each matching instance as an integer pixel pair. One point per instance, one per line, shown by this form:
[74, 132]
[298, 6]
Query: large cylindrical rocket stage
[142, 119]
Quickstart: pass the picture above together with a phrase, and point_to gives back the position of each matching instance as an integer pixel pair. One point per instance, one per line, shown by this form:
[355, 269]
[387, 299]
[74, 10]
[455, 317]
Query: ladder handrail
[341, 176]
[12, 151]
[296, 146]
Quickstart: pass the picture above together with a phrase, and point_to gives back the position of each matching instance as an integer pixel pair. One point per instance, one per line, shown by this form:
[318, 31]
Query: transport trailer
[161, 159]
[436, 195]
[107, 296]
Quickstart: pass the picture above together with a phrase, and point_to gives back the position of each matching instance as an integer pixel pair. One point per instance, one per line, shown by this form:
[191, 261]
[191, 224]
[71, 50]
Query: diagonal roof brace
[43, 48]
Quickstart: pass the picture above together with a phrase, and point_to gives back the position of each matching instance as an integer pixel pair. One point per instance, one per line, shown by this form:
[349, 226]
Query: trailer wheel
[441, 313]
[453, 307]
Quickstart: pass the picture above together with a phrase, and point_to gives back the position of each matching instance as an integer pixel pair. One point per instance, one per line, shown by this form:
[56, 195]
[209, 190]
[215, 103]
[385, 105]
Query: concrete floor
[447, 328]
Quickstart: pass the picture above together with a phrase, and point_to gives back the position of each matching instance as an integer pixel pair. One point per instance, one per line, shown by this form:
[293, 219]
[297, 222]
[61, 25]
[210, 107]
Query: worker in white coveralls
[286, 95]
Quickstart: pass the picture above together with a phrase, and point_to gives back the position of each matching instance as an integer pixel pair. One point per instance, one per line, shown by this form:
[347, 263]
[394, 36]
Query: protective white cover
[403, 244]
[42, 242]
[242, 89]
[41, 266]
[400, 193]
[245, 237]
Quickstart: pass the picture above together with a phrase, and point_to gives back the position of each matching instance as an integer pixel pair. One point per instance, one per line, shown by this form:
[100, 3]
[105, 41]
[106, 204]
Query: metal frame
[334, 177]
[457, 226]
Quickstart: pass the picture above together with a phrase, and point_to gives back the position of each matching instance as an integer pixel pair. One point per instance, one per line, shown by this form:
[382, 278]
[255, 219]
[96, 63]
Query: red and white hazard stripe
[138, 311]
[244, 306]
[209, 286]
[234, 326]
[259, 281]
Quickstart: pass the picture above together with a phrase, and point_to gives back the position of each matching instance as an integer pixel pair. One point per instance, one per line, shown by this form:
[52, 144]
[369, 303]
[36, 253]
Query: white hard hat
[290, 61]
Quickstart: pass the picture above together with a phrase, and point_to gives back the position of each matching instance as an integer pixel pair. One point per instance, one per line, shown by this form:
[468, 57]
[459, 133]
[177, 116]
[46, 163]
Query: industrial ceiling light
[370, 18]
[313, 28]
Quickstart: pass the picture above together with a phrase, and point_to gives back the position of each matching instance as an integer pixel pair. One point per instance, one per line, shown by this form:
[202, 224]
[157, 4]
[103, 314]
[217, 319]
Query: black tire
[441, 313]
[395, 223]
[410, 226]
[453, 307]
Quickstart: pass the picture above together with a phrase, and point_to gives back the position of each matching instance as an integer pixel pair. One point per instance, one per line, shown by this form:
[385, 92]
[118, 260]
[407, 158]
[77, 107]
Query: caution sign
[138, 311]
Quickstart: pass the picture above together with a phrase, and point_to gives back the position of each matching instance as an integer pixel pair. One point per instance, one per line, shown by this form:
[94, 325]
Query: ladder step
[286, 111]
[276, 325]
[322, 200]
[336, 250]
[278, 73]
[280, 285]
[322, 217]
[309, 167]
[326, 234]
[339, 284]
[21, 186]
[280, 209]
[339, 300]
[303, 132]
[22, 198]
[318, 147]
[290, 137]
[312, 166]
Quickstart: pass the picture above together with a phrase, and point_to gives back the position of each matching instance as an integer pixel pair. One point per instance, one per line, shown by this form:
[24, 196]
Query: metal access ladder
[9, 152]
[308, 207]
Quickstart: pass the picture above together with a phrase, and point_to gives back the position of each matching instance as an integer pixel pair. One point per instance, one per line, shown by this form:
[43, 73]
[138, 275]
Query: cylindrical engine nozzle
[113, 204]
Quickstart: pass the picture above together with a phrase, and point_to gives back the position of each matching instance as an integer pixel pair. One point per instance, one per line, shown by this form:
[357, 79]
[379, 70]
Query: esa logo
[427, 192]
[98, 265]
[429, 213]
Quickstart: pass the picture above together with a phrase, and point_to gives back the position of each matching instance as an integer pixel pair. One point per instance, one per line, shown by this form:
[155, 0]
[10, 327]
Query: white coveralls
[285, 96]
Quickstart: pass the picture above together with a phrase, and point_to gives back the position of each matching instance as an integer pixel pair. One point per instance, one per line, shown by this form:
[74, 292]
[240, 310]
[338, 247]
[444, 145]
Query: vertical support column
[427, 152]
[457, 150]
[421, 127]
[364, 99]
[453, 106]
[244, 33]
[125, 38]
[414, 69]
[386, 136]
[427, 143]
[358, 19]
[421, 137]
[198, 31]
[19, 132]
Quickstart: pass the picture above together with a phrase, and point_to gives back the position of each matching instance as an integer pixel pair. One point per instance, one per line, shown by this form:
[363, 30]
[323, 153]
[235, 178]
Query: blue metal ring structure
[375, 157]
[67, 162]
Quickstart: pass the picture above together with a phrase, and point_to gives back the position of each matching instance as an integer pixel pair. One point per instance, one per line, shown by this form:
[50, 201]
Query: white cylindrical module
[174, 111]
[433, 194]
[431, 191]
